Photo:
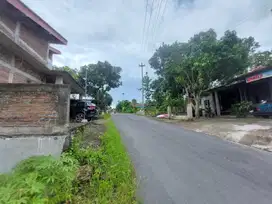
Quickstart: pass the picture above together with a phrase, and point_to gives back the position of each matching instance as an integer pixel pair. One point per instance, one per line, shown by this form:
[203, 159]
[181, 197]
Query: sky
[113, 30]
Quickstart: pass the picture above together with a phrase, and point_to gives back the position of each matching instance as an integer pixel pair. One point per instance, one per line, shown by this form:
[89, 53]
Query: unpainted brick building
[34, 99]
[26, 58]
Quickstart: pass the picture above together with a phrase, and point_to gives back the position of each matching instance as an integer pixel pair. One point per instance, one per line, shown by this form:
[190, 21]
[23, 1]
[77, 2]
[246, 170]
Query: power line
[162, 19]
[150, 17]
[143, 36]
[248, 17]
[156, 20]
[142, 74]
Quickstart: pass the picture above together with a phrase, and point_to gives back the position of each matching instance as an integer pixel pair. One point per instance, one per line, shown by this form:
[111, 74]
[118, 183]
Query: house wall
[7, 23]
[16, 149]
[35, 41]
[13, 69]
[33, 108]
[211, 101]
[26, 34]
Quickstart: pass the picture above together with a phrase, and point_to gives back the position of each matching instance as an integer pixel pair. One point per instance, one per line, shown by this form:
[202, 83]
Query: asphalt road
[174, 165]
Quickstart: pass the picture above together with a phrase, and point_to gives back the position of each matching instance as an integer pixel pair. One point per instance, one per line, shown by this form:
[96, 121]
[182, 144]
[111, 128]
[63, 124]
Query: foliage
[191, 67]
[101, 78]
[263, 58]
[81, 175]
[106, 116]
[41, 179]
[134, 102]
[151, 111]
[72, 72]
[242, 109]
[118, 184]
[125, 107]
[147, 88]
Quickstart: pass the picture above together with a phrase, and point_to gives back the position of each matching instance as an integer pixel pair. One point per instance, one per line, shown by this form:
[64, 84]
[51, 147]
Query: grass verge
[83, 174]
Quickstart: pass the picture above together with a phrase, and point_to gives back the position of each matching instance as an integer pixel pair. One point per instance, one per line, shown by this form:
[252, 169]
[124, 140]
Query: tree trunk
[169, 112]
[197, 98]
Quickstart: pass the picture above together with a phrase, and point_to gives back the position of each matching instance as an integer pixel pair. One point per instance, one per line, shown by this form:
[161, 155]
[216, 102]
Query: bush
[242, 109]
[41, 179]
[81, 175]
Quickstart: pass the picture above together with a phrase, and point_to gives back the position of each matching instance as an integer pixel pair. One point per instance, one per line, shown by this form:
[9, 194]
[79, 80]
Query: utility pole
[142, 73]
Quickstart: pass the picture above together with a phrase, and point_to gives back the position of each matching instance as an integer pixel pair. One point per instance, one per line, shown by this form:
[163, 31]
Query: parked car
[80, 109]
[263, 109]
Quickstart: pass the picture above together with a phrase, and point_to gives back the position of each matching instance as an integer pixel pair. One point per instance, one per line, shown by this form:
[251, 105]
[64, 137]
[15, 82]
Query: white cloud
[112, 29]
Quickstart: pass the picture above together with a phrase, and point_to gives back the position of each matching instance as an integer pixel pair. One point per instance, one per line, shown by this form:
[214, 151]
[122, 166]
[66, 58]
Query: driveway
[175, 165]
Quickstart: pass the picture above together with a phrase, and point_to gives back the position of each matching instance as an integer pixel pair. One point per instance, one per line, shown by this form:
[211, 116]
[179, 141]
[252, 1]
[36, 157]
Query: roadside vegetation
[96, 169]
[190, 68]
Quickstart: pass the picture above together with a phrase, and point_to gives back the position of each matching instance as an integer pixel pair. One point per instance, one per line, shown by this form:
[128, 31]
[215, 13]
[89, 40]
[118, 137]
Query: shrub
[40, 179]
[242, 109]
[81, 175]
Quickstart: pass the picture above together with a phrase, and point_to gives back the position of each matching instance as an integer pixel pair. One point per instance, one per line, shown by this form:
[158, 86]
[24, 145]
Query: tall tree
[101, 78]
[192, 66]
[147, 88]
[263, 58]
[124, 107]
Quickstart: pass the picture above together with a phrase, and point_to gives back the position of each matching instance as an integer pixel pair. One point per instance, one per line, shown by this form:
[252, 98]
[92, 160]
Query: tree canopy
[101, 78]
[192, 67]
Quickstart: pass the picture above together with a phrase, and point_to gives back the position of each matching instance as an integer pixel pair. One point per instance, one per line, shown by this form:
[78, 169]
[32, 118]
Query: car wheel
[79, 117]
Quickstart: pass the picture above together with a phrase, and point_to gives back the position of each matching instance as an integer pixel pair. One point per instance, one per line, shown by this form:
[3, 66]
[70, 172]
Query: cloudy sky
[112, 30]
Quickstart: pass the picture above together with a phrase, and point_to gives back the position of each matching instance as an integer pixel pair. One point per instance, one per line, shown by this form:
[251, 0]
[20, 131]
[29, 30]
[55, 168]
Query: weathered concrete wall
[14, 150]
[33, 39]
[10, 63]
[33, 108]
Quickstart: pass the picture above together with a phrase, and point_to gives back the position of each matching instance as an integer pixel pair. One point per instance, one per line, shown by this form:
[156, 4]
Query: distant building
[253, 86]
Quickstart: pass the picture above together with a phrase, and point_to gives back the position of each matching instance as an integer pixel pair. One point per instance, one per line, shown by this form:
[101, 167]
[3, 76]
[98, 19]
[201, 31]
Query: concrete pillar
[68, 108]
[217, 104]
[11, 72]
[17, 31]
[11, 75]
[212, 103]
[59, 80]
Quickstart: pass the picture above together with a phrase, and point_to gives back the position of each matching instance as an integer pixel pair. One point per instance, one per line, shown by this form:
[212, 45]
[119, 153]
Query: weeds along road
[175, 165]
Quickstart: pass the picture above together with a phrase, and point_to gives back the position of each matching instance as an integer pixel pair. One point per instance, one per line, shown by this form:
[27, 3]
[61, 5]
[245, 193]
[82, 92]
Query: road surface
[174, 165]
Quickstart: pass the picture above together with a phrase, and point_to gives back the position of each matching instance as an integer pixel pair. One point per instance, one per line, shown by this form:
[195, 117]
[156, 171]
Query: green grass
[82, 175]
[106, 116]
[118, 181]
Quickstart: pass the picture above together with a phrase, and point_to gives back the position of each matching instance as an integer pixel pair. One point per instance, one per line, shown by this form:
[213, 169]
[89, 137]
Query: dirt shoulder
[248, 131]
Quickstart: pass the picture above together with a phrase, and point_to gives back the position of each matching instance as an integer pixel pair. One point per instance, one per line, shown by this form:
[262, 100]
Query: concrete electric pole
[142, 73]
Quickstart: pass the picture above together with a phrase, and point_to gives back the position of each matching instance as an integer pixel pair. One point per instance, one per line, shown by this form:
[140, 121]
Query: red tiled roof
[33, 16]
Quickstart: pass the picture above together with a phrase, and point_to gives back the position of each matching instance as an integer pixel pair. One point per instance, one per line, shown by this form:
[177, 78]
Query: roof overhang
[76, 88]
[54, 50]
[38, 20]
[248, 74]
